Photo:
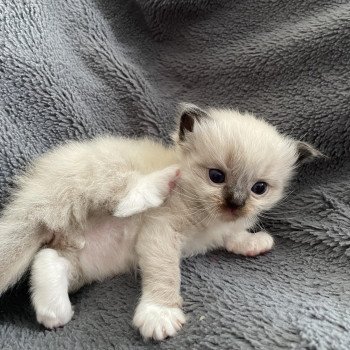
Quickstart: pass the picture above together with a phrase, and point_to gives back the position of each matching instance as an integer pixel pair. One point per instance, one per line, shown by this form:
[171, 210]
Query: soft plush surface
[72, 69]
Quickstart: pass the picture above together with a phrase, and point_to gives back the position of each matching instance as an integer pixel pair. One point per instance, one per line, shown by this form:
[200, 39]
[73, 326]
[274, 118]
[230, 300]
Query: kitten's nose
[235, 203]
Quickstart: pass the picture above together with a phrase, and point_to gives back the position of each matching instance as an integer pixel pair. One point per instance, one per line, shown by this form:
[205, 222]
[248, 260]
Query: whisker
[213, 216]
[282, 212]
[190, 211]
[185, 195]
[185, 190]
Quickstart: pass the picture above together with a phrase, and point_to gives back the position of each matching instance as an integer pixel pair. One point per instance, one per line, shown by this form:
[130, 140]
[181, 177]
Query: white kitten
[91, 210]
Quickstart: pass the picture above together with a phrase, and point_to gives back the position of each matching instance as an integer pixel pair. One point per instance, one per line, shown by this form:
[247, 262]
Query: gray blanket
[73, 69]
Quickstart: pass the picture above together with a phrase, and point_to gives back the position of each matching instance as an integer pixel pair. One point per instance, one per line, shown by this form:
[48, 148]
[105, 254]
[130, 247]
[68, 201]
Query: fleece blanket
[73, 69]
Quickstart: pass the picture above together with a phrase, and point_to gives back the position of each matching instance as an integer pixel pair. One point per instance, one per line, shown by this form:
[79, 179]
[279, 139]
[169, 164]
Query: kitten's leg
[158, 314]
[149, 191]
[50, 278]
[249, 244]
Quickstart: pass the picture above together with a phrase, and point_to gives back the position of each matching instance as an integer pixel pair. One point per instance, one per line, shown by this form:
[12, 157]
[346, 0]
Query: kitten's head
[235, 165]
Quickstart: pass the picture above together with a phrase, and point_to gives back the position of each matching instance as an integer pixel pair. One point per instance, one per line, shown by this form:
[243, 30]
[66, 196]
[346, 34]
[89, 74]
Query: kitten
[90, 210]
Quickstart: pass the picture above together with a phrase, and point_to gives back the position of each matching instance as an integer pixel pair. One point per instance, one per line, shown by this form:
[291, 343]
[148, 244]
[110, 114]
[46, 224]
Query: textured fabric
[72, 69]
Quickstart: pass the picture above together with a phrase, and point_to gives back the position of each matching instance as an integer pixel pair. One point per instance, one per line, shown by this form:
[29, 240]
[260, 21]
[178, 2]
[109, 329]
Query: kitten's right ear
[190, 114]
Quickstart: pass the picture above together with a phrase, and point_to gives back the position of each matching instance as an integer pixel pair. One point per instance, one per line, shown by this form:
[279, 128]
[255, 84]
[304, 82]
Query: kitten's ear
[190, 114]
[307, 153]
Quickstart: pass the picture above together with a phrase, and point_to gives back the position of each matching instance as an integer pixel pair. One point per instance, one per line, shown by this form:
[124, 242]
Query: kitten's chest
[109, 247]
[199, 240]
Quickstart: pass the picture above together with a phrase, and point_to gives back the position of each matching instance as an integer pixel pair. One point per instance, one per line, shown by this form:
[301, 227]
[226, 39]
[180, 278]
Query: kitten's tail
[18, 244]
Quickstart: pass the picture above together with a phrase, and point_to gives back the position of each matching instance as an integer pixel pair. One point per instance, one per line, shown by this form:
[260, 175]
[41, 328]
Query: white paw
[157, 321]
[129, 206]
[166, 179]
[149, 192]
[137, 202]
[55, 315]
[252, 245]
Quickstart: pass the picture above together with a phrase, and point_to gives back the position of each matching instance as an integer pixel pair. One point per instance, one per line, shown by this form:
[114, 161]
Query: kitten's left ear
[307, 153]
[190, 114]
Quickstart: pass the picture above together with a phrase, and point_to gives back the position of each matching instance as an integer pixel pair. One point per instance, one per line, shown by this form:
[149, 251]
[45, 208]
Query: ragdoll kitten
[87, 211]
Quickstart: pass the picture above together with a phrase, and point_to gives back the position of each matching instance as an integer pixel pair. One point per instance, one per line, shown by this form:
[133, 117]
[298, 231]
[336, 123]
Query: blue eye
[217, 176]
[259, 188]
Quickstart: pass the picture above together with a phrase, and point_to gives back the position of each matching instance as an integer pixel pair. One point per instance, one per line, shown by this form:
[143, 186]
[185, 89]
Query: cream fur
[87, 211]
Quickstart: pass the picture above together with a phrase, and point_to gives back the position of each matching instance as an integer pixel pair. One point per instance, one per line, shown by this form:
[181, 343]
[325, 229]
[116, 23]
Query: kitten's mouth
[232, 214]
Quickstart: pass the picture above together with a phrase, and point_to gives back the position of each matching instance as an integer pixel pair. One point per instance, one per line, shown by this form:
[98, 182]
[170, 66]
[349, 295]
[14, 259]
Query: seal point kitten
[90, 210]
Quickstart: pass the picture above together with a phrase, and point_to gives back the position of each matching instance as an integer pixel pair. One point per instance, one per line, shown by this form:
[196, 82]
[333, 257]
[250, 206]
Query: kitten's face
[235, 165]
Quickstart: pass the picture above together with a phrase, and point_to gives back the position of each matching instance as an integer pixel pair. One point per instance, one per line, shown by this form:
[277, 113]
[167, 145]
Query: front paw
[158, 321]
[55, 315]
[251, 244]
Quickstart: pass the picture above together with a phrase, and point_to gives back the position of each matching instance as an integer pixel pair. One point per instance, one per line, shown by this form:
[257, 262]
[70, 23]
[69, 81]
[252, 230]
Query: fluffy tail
[18, 244]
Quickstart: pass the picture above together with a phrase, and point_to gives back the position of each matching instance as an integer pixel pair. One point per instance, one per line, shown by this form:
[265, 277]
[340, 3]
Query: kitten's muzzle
[235, 199]
[235, 204]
